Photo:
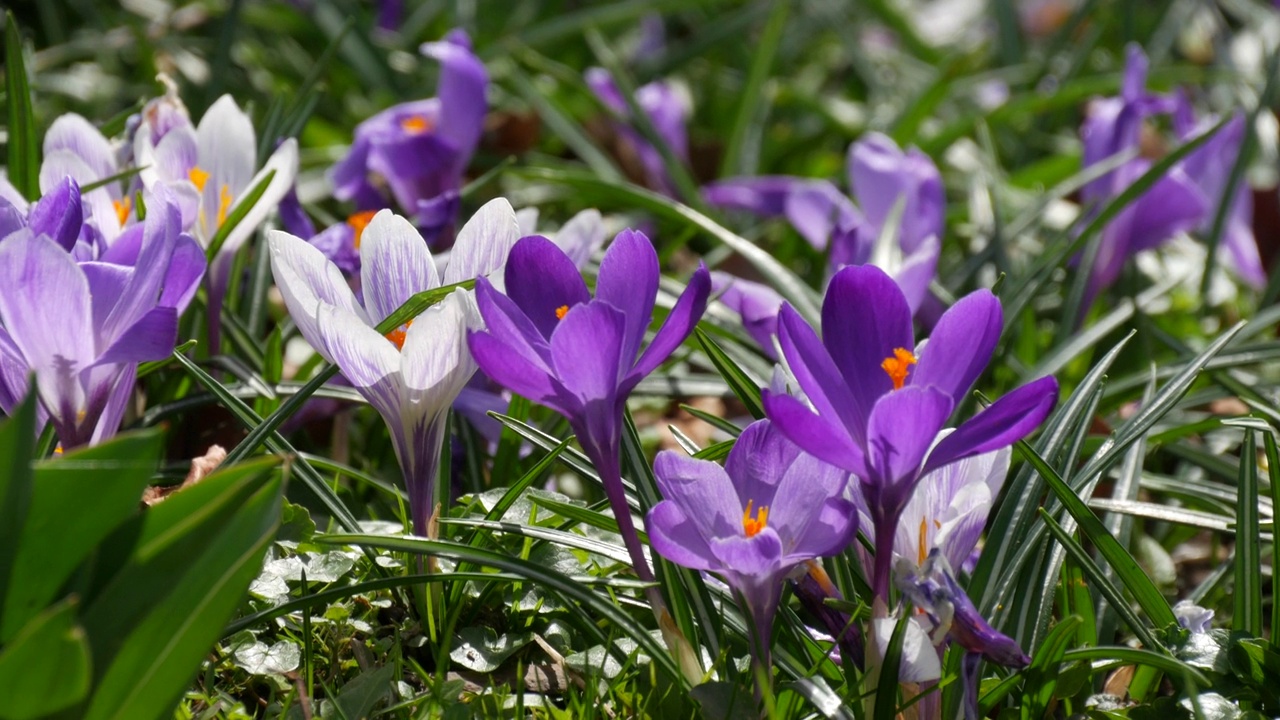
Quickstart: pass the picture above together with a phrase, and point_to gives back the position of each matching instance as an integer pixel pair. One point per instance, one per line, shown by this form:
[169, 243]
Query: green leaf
[17, 441]
[62, 529]
[741, 156]
[747, 390]
[46, 667]
[24, 143]
[1042, 676]
[1273, 470]
[221, 527]
[1247, 614]
[242, 208]
[886, 707]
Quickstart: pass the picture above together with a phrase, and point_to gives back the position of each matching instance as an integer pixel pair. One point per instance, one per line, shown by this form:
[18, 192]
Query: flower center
[123, 207]
[415, 124]
[397, 336]
[898, 365]
[359, 222]
[753, 525]
[198, 178]
[562, 311]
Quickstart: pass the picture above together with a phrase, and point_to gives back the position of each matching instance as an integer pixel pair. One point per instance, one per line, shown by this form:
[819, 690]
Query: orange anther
[753, 525]
[898, 366]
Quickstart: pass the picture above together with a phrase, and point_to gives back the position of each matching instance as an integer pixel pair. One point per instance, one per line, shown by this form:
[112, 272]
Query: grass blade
[24, 145]
[1247, 615]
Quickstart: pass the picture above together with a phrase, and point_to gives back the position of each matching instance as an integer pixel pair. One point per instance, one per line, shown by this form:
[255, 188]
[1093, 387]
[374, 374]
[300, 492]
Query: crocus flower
[209, 170]
[580, 237]
[888, 185]
[413, 374]
[757, 304]
[666, 108]
[932, 588]
[1192, 617]
[420, 150]
[876, 400]
[58, 214]
[110, 315]
[550, 341]
[74, 148]
[769, 510]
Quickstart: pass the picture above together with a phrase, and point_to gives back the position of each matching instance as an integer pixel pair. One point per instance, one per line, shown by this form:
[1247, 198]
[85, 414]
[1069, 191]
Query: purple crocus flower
[413, 374]
[550, 341]
[885, 180]
[111, 314]
[666, 108]
[771, 509]
[876, 400]
[420, 150]
[58, 214]
[932, 588]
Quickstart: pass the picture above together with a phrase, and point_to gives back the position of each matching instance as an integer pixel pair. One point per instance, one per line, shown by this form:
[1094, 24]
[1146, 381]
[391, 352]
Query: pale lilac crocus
[74, 148]
[875, 400]
[771, 509]
[419, 151]
[209, 170]
[889, 185]
[666, 108]
[82, 327]
[549, 340]
[412, 374]
[58, 214]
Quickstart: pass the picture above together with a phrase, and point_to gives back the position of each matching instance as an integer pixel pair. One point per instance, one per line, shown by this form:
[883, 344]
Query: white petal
[483, 243]
[435, 362]
[284, 162]
[305, 276]
[919, 657]
[395, 264]
[581, 236]
[74, 134]
[527, 219]
[367, 359]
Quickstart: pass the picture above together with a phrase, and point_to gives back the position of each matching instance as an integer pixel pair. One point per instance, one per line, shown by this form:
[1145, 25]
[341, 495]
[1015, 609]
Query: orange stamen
[397, 336]
[898, 366]
[924, 529]
[415, 124]
[359, 222]
[562, 311]
[224, 204]
[198, 178]
[753, 525]
[123, 207]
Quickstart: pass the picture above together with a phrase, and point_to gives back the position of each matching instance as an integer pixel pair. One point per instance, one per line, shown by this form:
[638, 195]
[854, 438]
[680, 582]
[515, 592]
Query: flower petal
[586, 351]
[680, 322]
[677, 538]
[816, 372]
[628, 280]
[882, 175]
[758, 461]
[900, 432]
[58, 214]
[580, 237]
[703, 491]
[284, 163]
[817, 435]
[150, 337]
[306, 277]
[516, 371]
[463, 82]
[484, 243]
[368, 360]
[395, 264]
[817, 210]
[960, 345]
[865, 318]
[541, 280]
[1005, 422]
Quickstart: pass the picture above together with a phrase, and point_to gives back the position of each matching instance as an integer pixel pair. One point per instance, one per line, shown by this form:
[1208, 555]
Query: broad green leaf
[17, 441]
[46, 667]
[160, 654]
[62, 529]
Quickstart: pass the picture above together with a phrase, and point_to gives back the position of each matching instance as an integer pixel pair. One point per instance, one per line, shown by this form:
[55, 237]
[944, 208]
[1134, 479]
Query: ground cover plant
[640, 359]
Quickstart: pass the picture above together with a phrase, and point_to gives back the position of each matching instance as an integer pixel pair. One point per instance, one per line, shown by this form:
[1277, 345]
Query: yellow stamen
[924, 528]
[415, 124]
[753, 525]
[359, 222]
[821, 577]
[198, 178]
[397, 336]
[898, 366]
[224, 204]
[562, 311]
[123, 207]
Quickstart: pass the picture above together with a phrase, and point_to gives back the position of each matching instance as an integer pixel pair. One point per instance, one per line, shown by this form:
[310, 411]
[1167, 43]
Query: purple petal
[900, 432]
[960, 346]
[463, 82]
[758, 461]
[815, 434]
[580, 237]
[753, 563]
[628, 280]
[818, 376]
[151, 337]
[510, 325]
[514, 370]
[58, 214]
[73, 133]
[865, 319]
[107, 283]
[1005, 422]
[817, 210]
[765, 196]
[186, 269]
[416, 166]
[757, 304]
[680, 322]
[541, 279]
[586, 351]
[703, 490]
[367, 359]
[808, 512]
[677, 538]
[882, 175]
